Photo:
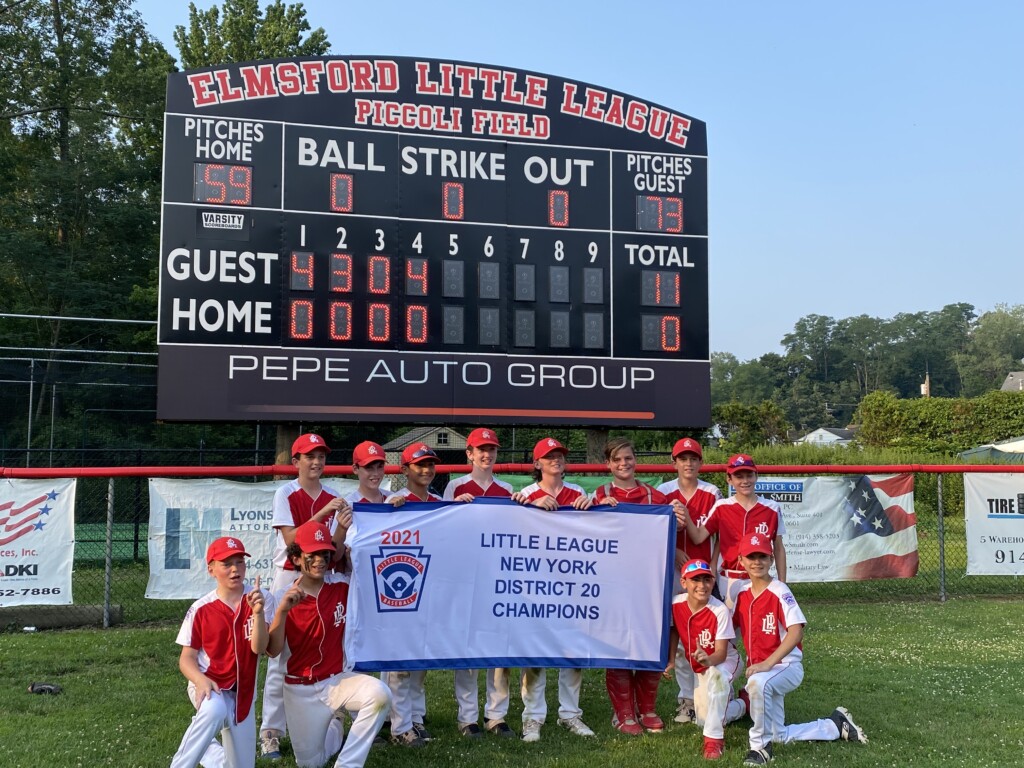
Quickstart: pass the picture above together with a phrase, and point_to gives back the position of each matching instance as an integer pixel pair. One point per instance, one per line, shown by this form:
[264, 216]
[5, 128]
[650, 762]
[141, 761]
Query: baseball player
[772, 627]
[481, 453]
[296, 502]
[550, 491]
[221, 639]
[738, 516]
[689, 494]
[310, 623]
[633, 693]
[408, 696]
[368, 467]
[703, 628]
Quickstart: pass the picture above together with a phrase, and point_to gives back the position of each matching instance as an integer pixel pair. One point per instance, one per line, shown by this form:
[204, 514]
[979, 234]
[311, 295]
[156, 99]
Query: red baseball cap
[546, 446]
[687, 445]
[417, 453]
[223, 548]
[367, 452]
[693, 568]
[755, 543]
[740, 462]
[308, 443]
[482, 436]
[312, 536]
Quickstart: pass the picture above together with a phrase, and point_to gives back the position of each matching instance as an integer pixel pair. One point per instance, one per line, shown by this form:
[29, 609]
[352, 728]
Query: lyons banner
[497, 584]
[37, 541]
[846, 528]
[994, 511]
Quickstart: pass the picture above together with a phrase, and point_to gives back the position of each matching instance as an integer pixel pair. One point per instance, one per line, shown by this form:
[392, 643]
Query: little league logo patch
[398, 577]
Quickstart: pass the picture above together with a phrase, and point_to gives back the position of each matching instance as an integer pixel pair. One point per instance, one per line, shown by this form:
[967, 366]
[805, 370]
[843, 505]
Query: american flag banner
[37, 541]
[847, 528]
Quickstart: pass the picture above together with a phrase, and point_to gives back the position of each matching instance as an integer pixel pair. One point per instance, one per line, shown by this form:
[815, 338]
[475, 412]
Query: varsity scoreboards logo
[398, 577]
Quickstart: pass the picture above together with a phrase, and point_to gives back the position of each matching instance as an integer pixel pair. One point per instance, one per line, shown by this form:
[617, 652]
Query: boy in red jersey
[739, 516]
[550, 491]
[310, 624]
[481, 453]
[772, 627]
[221, 640]
[703, 628]
[691, 496]
[296, 502]
[633, 693]
[368, 467]
[408, 696]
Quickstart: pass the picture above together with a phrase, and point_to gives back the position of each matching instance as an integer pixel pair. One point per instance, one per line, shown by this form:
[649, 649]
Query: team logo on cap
[755, 541]
[551, 443]
[398, 577]
[314, 439]
[372, 450]
[232, 544]
[319, 535]
[740, 461]
[486, 435]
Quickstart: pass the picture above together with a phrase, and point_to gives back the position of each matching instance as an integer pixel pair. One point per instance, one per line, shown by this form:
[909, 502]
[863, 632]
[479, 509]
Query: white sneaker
[270, 746]
[686, 712]
[576, 725]
[531, 730]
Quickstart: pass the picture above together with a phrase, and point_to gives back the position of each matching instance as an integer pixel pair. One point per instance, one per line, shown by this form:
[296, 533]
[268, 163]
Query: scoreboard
[417, 240]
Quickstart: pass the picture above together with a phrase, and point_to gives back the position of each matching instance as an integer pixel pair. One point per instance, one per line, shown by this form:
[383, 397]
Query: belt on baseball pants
[734, 574]
[292, 680]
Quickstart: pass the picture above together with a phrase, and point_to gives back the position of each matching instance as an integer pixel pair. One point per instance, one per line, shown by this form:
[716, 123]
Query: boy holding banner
[633, 693]
[549, 492]
[481, 453]
[689, 495]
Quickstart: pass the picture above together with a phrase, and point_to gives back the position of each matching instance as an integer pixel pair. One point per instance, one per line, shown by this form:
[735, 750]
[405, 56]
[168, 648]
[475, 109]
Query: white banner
[37, 541]
[846, 528]
[994, 512]
[496, 584]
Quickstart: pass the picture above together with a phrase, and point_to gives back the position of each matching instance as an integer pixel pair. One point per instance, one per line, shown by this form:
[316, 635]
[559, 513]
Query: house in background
[826, 436]
[1014, 382]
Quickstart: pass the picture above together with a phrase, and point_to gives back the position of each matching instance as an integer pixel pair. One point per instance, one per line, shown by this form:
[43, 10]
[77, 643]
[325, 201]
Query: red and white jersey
[223, 637]
[703, 628]
[315, 633]
[641, 493]
[763, 621]
[356, 497]
[732, 522]
[699, 505]
[466, 484]
[407, 493]
[566, 496]
[293, 507]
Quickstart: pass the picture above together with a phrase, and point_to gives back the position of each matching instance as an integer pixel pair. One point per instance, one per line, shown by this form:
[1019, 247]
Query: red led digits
[415, 277]
[452, 200]
[301, 315]
[379, 322]
[673, 214]
[672, 289]
[341, 273]
[659, 214]
[341, 192]
[222, 184]
[301, 271]
[378, 275]
[416, 324]
[341, 321]
[558, 208]
[670, 334]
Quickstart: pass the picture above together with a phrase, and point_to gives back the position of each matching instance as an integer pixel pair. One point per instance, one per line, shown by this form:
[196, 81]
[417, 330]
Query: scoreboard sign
[415, 240]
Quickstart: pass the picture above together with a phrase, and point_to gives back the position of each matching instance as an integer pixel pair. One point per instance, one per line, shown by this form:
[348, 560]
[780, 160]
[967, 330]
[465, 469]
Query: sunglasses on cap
[421, 453]
[697, 565]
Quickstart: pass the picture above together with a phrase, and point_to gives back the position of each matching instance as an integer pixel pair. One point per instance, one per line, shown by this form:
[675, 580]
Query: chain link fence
[111, 563]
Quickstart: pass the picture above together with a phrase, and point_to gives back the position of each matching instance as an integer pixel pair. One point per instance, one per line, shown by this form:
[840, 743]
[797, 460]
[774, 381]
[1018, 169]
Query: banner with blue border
[493, 583]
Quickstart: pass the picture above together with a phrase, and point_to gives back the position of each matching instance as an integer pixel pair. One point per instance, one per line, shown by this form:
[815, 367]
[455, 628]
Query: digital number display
[659, 214]
[430, 242]
[222, 184]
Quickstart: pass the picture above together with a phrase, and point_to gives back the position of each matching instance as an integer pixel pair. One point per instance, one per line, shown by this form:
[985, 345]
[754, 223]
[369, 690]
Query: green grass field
[932, 684]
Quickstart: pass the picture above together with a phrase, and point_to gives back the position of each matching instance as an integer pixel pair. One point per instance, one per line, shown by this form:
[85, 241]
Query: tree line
[81, 120]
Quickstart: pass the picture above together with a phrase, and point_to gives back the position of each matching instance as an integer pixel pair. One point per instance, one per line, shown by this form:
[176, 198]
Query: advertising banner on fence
[994, 511]
[37, 541]
[496, 584]
[846, 528]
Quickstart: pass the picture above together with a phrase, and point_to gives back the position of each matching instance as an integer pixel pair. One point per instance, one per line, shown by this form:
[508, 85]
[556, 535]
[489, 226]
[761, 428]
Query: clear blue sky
[865, 158]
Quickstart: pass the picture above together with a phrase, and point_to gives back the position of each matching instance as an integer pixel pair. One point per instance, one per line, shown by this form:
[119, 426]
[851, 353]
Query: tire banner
[37, 541]
[495, 584]
[994, 515]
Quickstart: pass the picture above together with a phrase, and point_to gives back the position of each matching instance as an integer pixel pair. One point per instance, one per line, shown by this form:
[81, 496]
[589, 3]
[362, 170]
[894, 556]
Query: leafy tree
[743, 427]
[996, 347]
[246, 34]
